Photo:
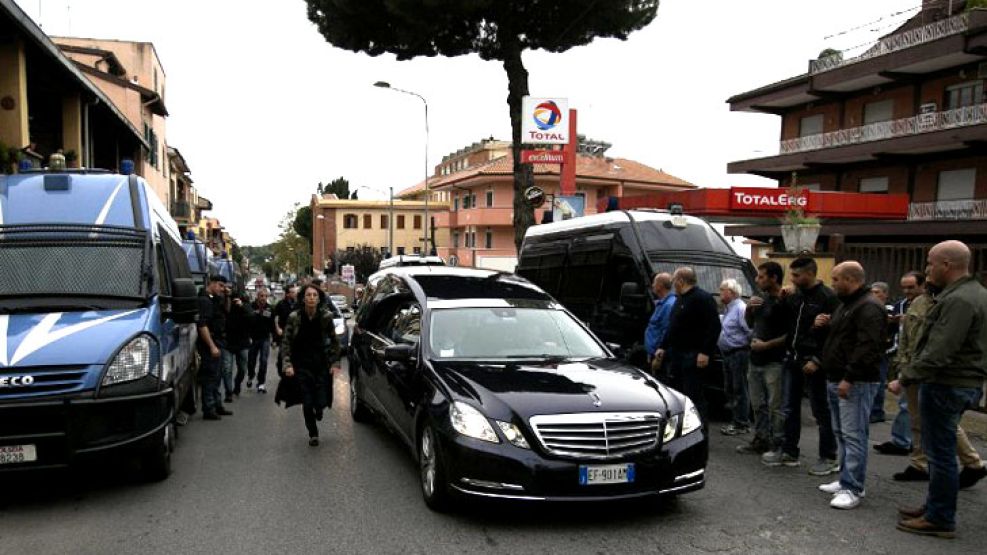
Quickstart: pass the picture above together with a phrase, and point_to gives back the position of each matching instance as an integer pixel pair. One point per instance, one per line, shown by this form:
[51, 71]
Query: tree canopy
[494, 29]
[339, 187]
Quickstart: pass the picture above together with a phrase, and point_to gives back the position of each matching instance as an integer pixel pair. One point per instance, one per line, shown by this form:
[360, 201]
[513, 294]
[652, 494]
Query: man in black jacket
[261, 331]
[281, 312]
[810, 299]
[691, 339]
[851, 360]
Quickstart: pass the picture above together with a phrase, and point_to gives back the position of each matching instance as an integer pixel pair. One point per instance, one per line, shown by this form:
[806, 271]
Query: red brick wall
[831, 119]
[927, 177]
[901, 95]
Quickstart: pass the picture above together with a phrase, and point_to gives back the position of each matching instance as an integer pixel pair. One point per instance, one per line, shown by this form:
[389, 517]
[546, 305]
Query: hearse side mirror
[183, 300]
[400, 353]
[631, 296]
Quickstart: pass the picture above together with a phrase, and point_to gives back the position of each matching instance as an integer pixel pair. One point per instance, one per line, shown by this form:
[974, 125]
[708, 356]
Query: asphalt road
[251, 484]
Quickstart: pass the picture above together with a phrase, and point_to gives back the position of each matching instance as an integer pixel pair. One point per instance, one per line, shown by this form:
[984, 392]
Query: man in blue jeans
[735, 346]
[804, 341]
[950, 365]
[851, 359]
[262, 328]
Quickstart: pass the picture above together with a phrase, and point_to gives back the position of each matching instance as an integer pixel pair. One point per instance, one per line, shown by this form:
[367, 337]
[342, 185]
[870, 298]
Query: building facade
[48, 104]
[343, 224]
[477, 182]
[908, 115]
[131, 76]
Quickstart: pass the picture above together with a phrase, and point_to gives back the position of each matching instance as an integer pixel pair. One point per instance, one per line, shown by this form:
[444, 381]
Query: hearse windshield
[509, 333]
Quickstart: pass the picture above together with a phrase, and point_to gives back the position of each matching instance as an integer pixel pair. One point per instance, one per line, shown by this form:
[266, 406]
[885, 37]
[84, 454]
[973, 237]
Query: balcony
[476, 216]
[894, 43]
[948, 210]
[922, 123]
[180, 210]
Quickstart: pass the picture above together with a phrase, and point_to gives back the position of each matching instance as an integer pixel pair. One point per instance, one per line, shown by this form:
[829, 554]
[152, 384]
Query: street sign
[542, 157]
[348, 273]
[545, 120]
[534, 196]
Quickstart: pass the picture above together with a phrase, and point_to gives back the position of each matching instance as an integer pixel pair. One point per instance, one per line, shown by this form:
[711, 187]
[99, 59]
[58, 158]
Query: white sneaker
[831, 488]
[845, 499]
[261, 388]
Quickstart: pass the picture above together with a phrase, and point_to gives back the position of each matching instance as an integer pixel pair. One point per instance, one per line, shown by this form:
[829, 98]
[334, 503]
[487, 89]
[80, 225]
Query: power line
[868, 24]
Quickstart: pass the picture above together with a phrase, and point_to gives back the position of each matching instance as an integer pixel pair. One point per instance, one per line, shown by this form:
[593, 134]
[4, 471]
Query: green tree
[291, 252]
[365, 260]
[302, 224]
[494, 29]
[339, 187]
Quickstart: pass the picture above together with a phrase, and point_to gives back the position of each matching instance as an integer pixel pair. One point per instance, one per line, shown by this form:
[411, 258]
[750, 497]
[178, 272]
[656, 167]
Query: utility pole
[390, 225]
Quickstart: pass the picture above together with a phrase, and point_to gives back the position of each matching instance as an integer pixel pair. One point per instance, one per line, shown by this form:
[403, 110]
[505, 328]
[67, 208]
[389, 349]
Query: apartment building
[906, 115]
[131, 75]
[344, 224]
[477, 182]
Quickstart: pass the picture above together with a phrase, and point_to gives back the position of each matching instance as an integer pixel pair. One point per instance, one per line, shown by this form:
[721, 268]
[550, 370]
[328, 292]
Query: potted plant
[70, 159]
[798, 230]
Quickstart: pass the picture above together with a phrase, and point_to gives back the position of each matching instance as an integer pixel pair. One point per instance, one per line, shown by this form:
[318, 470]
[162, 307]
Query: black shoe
[181, 419]
[210, 416]
[222, 411]
[313, 441]
[228, 398]
[889, 448]
[754, 447]
[911, 474]
[970, 476]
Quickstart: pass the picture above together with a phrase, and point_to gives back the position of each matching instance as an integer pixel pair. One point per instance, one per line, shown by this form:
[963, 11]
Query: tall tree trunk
[517, 88]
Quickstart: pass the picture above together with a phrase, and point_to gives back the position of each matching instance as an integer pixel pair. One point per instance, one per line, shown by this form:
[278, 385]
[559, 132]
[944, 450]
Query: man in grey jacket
[950, 365]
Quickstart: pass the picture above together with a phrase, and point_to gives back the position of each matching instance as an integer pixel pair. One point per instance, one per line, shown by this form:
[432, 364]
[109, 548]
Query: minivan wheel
[435, 489]
[358, 409]
[156, 460]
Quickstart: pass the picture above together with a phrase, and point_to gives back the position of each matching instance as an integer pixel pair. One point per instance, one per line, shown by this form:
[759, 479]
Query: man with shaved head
[950, 365]
[851, 360]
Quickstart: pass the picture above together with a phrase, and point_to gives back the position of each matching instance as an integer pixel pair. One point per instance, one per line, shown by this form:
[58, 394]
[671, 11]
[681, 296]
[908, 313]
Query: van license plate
[15, 454]
[606, 474]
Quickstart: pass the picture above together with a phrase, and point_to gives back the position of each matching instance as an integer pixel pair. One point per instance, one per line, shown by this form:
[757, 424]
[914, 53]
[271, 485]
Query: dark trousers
[316, 396]
[210, 377]
[735, 367]
[257, 360]
[941, 407]
[877, 411]
[796, 382]
[240, 357]
[682, 374]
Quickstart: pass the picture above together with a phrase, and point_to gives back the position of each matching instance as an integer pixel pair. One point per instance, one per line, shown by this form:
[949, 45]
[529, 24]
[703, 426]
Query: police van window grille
[69, 268]
[709, 277]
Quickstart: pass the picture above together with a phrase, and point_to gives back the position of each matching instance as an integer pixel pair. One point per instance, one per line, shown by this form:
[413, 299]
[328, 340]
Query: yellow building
[339, 224]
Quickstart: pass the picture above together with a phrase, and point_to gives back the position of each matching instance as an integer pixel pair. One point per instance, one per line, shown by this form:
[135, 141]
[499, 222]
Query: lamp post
[322, 229]
[386, 85]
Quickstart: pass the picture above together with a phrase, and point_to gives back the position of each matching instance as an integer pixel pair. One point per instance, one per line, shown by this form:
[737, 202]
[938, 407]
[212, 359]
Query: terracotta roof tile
[587, 167]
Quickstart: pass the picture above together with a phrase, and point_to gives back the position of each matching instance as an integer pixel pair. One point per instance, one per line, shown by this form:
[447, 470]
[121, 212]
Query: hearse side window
[544, 264]
[584, 273]
[709, 277]
[405, 325]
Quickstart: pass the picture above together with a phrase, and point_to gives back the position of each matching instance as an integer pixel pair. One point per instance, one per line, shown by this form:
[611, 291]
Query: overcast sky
[263, 108]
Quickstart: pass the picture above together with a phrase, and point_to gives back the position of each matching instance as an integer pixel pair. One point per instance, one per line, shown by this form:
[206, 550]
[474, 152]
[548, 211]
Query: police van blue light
[97, 321]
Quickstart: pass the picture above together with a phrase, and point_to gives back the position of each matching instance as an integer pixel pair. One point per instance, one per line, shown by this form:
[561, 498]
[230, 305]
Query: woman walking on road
[308, 351]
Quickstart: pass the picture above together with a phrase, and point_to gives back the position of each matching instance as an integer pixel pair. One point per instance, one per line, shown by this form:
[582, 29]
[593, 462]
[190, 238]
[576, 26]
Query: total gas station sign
[767, 200]
[545, 120]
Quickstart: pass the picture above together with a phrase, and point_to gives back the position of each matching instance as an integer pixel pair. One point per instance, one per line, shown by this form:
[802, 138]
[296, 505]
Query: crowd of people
[234, 331]
[844, 347]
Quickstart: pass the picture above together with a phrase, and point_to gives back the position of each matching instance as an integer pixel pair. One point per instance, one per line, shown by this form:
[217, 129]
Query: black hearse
[501, 393]
[601, 267]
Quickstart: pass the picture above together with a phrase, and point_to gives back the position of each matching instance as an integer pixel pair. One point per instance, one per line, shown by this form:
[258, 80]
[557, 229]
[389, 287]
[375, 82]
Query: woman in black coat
[308, 350]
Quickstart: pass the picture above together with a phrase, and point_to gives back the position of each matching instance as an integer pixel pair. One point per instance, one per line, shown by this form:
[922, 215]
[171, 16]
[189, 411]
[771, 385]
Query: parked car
[411, 260]
[97, 312]
[500, 392]
[342, 304]
[340, 328]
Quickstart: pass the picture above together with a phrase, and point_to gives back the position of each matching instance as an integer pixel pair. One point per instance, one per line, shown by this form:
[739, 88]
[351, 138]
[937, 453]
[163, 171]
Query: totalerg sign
[768, 200]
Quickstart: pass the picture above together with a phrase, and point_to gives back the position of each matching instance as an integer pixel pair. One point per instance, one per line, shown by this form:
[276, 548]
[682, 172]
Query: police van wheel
[156, 461]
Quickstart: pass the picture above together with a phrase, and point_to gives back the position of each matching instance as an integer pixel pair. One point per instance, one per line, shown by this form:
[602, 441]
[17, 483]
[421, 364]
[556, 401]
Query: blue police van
[97, 321]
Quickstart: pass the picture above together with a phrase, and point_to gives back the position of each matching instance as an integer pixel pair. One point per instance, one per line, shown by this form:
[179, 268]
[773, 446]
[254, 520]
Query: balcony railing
[948, 210]
[914, 37]
[922, 123]
[181, 209]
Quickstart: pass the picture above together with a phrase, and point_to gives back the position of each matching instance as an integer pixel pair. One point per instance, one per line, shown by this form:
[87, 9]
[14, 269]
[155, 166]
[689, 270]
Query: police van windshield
[71, 267]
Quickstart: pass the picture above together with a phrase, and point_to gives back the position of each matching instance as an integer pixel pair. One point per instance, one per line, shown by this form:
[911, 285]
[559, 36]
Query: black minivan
[501, 393]
[601, 267]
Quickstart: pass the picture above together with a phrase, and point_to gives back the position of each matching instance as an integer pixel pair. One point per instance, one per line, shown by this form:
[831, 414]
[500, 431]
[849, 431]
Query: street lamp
[386, 85]
[323, 234]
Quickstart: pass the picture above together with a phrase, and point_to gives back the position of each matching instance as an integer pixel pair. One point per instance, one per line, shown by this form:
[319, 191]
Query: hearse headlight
[690, 418]
[671, 427]
[136, 360]
[513, 434]
[471, 423]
